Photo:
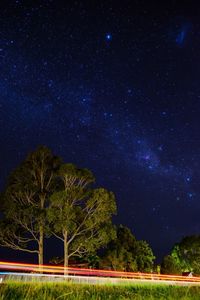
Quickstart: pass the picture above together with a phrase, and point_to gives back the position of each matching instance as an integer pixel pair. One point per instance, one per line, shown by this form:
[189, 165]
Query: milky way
[114, 89]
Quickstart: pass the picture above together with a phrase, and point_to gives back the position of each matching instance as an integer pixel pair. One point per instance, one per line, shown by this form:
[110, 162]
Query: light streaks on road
[24, 269]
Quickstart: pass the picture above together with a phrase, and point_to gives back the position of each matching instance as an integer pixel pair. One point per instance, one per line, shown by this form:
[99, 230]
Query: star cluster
[115, 89]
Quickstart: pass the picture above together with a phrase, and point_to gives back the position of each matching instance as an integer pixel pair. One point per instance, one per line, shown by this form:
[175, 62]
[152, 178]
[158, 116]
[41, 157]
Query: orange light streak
[91, 272]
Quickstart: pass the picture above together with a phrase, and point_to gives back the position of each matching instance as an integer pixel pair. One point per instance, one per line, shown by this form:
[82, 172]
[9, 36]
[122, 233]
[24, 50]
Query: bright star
[108, 37]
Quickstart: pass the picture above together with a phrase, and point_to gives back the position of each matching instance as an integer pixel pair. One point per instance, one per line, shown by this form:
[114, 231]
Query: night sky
[113, 86]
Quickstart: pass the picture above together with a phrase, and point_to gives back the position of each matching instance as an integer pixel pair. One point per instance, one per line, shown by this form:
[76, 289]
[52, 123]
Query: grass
[72, 291]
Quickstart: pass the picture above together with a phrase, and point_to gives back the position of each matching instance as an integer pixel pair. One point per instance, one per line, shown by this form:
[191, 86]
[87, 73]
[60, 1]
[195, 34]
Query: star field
[115, 89]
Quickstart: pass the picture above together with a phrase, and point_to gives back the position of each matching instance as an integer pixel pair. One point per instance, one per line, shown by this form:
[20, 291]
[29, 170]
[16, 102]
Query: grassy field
[71, 291]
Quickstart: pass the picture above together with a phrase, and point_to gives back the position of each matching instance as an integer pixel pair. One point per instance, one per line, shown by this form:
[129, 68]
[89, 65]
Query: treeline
[46, 197]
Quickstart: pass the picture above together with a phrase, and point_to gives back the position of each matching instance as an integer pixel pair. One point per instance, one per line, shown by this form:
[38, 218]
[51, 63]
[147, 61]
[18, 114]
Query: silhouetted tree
[25, 200]
[81, 217]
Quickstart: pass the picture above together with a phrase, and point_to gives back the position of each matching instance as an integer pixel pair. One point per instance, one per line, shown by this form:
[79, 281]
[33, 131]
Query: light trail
[42, 278]
[61, 272]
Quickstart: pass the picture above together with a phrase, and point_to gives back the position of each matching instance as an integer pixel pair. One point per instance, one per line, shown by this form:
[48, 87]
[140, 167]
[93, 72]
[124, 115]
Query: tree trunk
[41, 235]
[41, 247]
[65, 253]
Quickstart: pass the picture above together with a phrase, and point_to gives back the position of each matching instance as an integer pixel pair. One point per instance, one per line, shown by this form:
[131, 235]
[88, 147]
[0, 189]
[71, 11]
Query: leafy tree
[127, 254]
[186, 255]
[25, 200]
[144, 256]
[170, 266]
[93, 261]
[80, 216]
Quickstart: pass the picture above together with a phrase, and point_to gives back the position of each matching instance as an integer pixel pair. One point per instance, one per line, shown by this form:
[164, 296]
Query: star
[190, 195]
[108, 37]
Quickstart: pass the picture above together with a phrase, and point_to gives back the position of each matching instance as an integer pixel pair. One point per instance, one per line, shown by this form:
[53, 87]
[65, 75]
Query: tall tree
[79, 215]
[25, 201]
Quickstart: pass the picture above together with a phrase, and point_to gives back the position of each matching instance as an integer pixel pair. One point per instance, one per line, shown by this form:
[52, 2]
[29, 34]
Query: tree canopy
[185, 256]
[127, 254]
[170, 266]
[24, 202]
[80, 216]
[44, 196]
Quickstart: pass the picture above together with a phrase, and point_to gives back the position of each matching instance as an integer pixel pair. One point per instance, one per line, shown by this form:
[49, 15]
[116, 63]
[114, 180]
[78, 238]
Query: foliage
[127, 254]
[45, 197]
[185, 256]
[79, 215]
[187, 253]
[144, 256]
[93, 261]
[170, 266]
[25, 200]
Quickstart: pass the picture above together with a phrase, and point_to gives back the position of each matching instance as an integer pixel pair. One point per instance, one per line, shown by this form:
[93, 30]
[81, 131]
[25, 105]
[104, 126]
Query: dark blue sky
[114, 88]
